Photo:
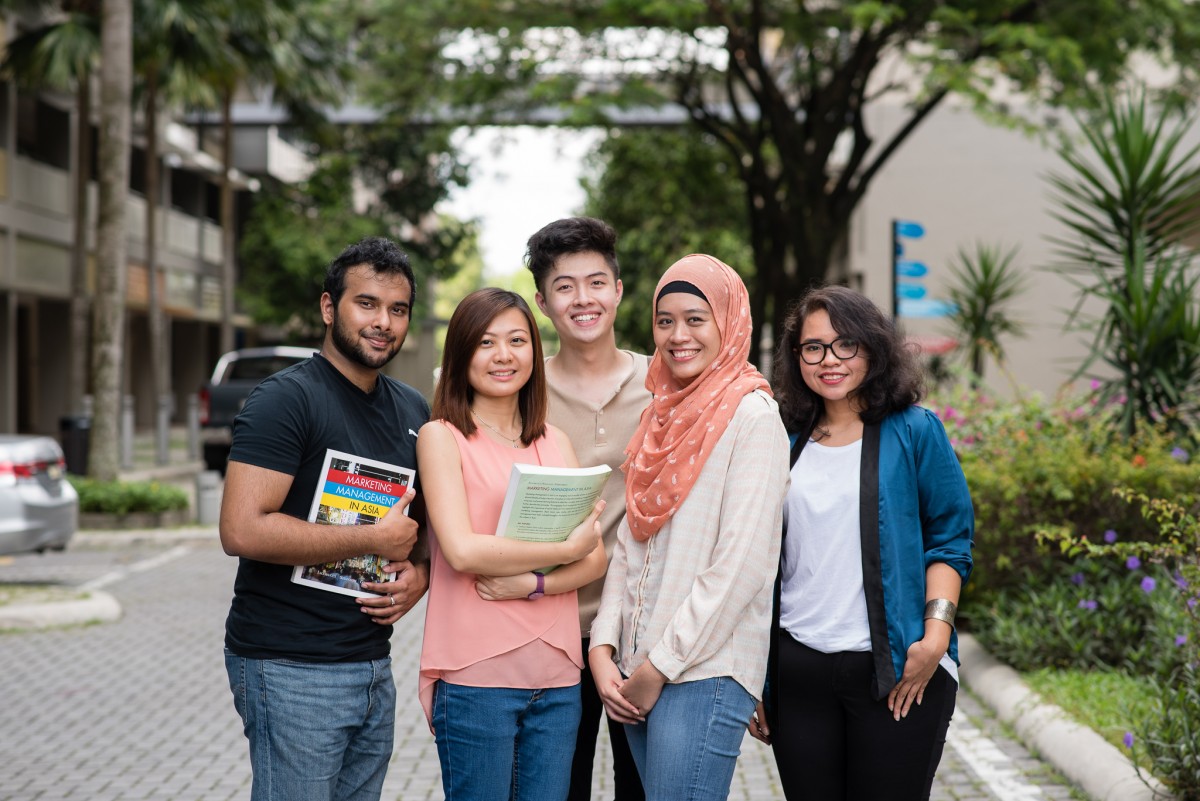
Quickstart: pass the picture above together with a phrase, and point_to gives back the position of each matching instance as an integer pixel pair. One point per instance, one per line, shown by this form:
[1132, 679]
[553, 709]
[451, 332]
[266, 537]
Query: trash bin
[76, 432]
[208, 497]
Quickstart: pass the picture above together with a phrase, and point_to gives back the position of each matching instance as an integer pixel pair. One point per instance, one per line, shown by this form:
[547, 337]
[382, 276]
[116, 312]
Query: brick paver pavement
[140, 708]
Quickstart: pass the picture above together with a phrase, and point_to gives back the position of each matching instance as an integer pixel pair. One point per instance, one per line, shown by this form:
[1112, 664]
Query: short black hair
[380, 254]
[567, 236]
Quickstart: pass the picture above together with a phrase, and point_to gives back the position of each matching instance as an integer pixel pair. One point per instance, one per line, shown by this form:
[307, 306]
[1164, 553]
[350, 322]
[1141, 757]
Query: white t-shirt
[822, 602]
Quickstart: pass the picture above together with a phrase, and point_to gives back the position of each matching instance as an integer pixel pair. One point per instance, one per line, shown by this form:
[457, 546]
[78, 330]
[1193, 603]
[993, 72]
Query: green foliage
[1168, 734]
[668, 193]
[291, 235]
[1130, 199]
[785, 88]
[295, 230]
[985, 283]
[1032, 465]
[1092, 614]
[1131, 598]
[125, 497]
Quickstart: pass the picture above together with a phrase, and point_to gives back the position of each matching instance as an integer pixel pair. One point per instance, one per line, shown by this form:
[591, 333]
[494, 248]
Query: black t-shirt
[288, 423]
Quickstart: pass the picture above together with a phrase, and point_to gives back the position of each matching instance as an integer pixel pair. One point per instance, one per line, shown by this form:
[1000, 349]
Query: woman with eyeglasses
[877, 545]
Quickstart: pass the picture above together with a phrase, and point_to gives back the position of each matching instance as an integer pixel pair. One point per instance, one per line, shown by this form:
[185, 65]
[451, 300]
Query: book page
[545, 504]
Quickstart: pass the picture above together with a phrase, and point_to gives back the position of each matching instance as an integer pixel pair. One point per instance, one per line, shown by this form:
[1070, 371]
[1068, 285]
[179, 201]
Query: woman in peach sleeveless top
[501, 656]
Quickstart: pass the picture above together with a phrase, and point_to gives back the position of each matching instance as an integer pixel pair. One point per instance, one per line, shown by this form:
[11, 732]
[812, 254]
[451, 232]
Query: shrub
[1168, 734]
[1096, 614]
[125, 497]
[1034, 464]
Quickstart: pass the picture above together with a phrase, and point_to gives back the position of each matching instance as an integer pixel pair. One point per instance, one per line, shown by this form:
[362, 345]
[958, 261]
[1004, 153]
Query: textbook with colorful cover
[543, 504]
[353, 491]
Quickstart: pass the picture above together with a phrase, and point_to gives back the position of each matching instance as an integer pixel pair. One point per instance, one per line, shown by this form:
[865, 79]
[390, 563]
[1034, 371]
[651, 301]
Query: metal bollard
[193, 426]
[127, 432]
[162, 430]
[208, 497]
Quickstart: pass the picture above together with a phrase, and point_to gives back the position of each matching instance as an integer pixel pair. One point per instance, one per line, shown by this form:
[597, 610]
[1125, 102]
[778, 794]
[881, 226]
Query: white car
[39, 509]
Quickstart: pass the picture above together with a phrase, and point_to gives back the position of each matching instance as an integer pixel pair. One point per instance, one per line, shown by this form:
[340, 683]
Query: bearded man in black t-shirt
[310, 669]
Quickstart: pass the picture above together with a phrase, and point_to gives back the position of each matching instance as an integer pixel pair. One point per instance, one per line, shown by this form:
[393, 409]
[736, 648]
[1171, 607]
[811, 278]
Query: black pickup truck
[236, 373]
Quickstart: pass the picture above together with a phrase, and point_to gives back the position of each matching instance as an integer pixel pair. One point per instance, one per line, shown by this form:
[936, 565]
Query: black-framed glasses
[813, 352]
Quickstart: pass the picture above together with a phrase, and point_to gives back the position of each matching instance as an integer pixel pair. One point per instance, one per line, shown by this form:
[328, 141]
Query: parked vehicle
[39, 509]
[236, 373]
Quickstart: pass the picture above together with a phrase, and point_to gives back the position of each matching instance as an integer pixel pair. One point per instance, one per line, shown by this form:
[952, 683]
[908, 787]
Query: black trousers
[626, 781]
[834, 742]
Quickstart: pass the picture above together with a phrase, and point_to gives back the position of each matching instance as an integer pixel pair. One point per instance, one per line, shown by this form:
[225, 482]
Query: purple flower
[1181, 639]
[1148, 584]
[1133, 563]
[1077, 579]
[1128, 739]
[1179, 454]
[1180, 581]
[1095, 384]
[1192, 602]
[1110, 536]
[1089, 604]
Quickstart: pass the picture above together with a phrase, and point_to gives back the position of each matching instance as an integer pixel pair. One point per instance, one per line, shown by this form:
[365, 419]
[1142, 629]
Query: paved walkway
[140, 709]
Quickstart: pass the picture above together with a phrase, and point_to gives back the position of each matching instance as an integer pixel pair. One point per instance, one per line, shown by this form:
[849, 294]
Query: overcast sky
[522, 178]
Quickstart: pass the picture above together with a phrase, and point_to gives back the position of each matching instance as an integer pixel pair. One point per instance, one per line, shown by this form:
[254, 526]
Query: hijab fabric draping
[681, 426]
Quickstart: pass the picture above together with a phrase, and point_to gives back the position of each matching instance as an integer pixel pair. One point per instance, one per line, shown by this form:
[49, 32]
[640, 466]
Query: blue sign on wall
[909, 297]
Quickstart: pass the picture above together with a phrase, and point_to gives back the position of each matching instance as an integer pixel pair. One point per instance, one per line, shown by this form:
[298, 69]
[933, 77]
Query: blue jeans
[688, 747]
[497, 743]
[318, 731]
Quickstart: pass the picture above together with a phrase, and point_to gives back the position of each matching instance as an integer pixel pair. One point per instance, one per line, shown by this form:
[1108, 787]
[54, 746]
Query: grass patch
[38, 594]
[1103, 700]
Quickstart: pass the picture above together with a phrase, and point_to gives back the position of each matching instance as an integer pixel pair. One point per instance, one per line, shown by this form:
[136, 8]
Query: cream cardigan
[695, 599]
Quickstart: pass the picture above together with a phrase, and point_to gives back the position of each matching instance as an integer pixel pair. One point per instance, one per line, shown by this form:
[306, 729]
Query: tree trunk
[156, 317]
[108, 331]
[80, 301]
[228, 256]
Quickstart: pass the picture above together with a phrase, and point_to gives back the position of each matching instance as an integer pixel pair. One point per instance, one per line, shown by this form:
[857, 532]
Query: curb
[1094, 765]
[97, 607]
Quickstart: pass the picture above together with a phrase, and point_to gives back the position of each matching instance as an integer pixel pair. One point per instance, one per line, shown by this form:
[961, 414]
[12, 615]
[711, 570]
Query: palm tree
[108, 327]
[62, 54]
[1130, 199]
[173, 42]
[292, 46]
[985, 282]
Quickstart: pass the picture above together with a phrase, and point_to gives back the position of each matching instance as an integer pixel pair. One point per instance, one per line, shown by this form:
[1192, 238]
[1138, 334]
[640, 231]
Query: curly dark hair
[894, 379]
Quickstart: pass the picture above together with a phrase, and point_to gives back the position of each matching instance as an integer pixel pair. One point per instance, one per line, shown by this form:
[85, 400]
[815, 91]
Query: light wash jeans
[498, 743]
[318, 731]
[688, 747]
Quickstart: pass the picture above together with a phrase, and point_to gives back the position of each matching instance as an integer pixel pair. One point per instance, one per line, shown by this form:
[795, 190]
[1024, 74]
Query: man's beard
[356, 352]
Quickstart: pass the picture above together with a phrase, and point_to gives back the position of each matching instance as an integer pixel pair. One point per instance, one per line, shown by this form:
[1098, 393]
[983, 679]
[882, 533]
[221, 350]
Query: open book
[353, 491]
[543, 504]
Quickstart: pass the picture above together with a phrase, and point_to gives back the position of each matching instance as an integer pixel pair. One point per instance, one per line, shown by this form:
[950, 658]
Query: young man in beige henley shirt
[597, 394]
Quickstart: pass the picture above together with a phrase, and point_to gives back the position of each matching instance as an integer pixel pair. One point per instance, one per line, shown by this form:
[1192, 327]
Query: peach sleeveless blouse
[469, 641]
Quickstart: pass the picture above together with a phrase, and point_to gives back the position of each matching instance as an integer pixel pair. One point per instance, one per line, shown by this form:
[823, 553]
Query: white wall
[966, 180]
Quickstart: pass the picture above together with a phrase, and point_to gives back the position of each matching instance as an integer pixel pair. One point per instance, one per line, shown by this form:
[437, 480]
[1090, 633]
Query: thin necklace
[516, 443]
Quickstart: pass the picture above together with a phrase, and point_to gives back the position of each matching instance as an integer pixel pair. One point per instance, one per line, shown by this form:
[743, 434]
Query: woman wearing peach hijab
[679, 646]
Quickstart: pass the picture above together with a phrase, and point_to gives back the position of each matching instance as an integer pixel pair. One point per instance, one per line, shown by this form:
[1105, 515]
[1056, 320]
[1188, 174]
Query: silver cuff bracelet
[941, 609]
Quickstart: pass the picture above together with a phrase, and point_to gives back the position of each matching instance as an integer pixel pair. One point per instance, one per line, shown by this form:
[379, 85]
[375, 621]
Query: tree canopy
[785, 86]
